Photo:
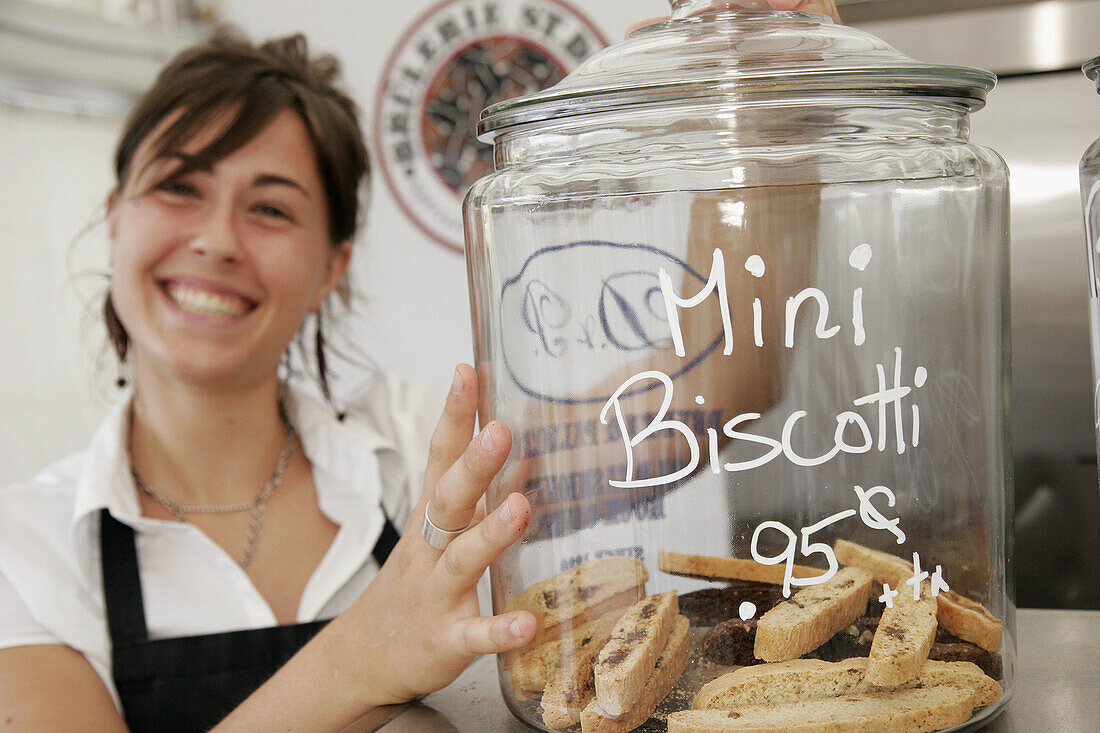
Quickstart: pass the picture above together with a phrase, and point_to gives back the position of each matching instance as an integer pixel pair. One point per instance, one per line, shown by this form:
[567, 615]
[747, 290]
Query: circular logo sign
[458, 58]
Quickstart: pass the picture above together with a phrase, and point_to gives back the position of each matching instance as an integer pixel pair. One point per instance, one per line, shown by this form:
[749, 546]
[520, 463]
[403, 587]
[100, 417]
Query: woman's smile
[201, 299]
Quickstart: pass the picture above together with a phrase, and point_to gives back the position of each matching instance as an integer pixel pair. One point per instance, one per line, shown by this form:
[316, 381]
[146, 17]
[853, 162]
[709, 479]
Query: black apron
[187, 684]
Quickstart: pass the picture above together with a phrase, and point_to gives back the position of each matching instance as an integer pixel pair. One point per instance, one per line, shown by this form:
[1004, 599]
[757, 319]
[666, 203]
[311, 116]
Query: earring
[121, 376]
[322, 367]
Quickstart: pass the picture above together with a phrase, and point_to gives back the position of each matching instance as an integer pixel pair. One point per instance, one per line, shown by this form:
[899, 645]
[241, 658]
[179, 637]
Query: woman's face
[214, 271]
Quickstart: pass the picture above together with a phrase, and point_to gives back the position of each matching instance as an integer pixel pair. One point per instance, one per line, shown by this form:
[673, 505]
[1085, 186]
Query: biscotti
[534, 666]
[855, 641]
[781, 682]
[581, 594]
[986, 689]
[966, 619]
[663, 678]
[915, 710]
[571, 687]
[886, 568]
[727, 568]
[811, 616]
[801, 680]
[903, 639]
[969, 620]
[626, 661]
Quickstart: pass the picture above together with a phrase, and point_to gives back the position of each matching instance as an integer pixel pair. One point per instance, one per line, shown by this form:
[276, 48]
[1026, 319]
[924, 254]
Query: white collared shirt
[51, 588]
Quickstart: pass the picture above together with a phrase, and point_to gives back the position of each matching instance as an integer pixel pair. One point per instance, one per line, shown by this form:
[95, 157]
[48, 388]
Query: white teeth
[206, 303]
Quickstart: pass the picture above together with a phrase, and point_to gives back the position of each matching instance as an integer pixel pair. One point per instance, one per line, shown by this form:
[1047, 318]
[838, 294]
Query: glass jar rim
[735, 54]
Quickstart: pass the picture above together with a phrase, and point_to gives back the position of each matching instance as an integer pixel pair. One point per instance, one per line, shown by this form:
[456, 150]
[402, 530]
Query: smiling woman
[226, 545]
[209, 103]
[182, 235]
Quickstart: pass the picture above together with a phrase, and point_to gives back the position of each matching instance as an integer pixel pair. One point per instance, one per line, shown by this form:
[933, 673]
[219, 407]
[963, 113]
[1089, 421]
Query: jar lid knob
[688, 8]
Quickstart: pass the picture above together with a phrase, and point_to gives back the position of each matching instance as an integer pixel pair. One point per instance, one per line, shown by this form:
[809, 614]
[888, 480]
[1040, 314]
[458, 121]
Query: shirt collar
[347, 449]
[105, 480]
[345, 456]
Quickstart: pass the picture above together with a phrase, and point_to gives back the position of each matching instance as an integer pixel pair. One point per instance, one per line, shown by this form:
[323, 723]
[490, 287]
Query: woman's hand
[417, 625]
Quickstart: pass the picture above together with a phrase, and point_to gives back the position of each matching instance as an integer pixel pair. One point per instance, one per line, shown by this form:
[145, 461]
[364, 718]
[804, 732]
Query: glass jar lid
[1092, 71]
[717, 50]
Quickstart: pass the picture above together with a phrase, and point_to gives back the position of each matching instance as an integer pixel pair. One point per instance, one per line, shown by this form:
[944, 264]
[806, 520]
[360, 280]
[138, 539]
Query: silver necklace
[256, 506]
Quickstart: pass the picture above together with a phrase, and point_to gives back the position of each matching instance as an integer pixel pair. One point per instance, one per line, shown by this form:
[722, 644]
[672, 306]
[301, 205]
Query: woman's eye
[177, 188]
[271, 211]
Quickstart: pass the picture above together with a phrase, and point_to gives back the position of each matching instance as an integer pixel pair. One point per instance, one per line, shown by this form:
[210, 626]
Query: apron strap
[386, 541]
[121, 581]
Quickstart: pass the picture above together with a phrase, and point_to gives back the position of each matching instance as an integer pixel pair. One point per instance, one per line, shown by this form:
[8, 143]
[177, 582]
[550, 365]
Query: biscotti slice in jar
[626, 661]
[581, 594]
[534, 665]
[966, 619]
[801, 680]
[986, 689]
[969, 620]
[914, 710]
[666, 671]
[571, 686]
[812, 616]
[903, 638]
[708, 567]
[781, 682]
[885, 568]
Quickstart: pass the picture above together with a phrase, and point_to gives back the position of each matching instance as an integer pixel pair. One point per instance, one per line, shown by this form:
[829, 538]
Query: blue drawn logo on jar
[593, 306]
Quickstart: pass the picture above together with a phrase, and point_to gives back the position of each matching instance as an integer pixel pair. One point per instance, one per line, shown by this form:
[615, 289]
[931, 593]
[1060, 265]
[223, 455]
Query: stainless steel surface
[1057, 680]
[858, 11]
[1009, 38]
[1041, 123]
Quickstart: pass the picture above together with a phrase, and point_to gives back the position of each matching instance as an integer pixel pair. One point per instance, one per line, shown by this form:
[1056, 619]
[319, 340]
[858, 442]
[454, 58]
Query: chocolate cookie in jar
[739, 288]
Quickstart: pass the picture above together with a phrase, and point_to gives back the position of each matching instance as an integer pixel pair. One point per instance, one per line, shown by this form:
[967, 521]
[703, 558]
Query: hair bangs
[229, 124]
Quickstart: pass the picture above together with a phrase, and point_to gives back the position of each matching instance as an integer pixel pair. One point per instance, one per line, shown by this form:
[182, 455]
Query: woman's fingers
[493, 635]
[455, 426]
[479, 512]
[466, 559]
[456, 492]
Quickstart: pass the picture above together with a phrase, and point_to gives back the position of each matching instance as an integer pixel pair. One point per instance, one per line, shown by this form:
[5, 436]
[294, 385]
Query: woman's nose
[217, 237]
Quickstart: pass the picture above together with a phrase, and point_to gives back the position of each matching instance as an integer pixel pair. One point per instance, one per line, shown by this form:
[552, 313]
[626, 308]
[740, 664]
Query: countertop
[1057, 687]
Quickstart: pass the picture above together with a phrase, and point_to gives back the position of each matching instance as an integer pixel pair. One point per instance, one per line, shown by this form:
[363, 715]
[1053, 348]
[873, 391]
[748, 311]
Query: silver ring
[436, 537]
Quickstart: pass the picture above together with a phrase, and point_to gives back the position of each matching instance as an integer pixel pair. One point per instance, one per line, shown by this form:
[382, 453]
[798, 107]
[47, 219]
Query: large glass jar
[739, 288]
[1090, 201]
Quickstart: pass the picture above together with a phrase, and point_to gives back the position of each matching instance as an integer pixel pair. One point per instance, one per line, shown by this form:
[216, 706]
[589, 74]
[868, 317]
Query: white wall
[55, 172]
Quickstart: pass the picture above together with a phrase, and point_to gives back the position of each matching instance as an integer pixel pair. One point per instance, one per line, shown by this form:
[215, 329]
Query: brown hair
[230, 75]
